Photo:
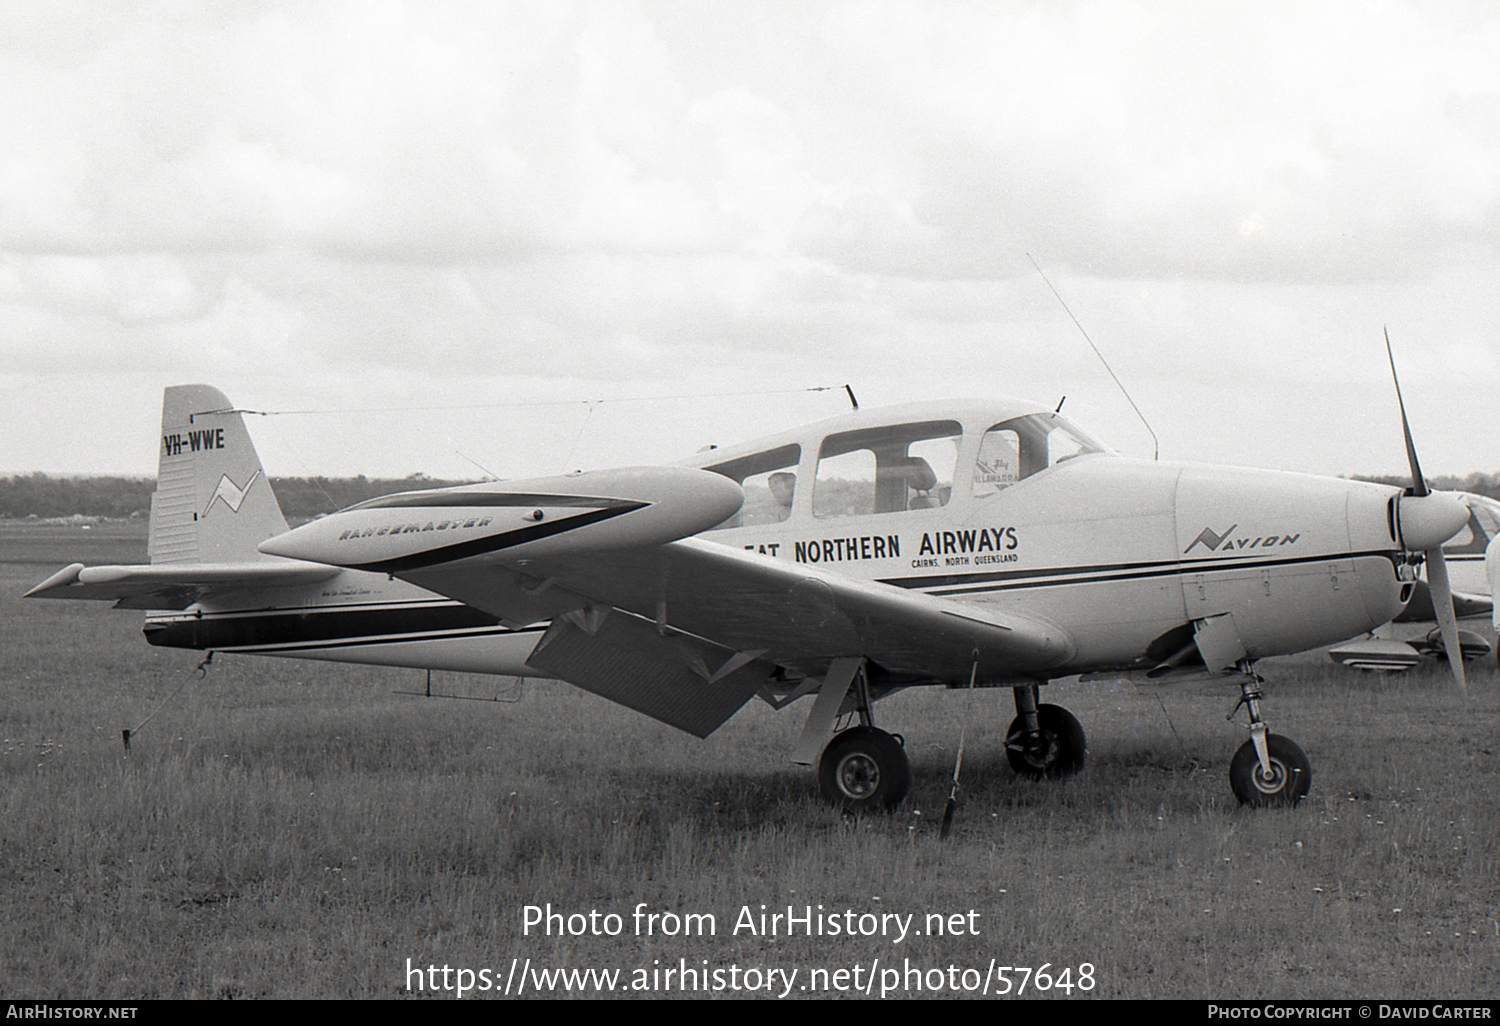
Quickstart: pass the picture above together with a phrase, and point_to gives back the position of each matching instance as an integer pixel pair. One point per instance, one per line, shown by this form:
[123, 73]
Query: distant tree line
[310, 496]
[42, 495]
[1480, 484]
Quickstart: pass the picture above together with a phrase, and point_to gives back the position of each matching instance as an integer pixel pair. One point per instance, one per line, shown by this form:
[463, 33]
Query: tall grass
[295, 829]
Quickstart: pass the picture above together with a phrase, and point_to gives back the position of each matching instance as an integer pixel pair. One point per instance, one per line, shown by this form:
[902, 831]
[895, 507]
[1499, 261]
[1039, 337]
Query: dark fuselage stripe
[493, 543]
[394, 639]
[957, 584]
[316, 628]
[428, 620]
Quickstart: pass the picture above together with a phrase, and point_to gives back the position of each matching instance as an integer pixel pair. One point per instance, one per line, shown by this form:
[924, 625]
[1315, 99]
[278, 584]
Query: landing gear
[1287, 782]
[1268, 770]
[1044, 741]
[864, 768]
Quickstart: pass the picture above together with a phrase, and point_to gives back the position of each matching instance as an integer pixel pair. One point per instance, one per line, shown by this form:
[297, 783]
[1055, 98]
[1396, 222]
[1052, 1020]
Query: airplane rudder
[213, 502]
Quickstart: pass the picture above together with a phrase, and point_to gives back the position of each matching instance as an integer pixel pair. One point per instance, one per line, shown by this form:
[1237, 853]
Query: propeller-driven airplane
[970, 544]
[1472, 554]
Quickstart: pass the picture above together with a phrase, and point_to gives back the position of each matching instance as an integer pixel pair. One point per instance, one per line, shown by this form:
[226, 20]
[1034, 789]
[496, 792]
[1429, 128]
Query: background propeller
[1426, 519]
[1492, 572]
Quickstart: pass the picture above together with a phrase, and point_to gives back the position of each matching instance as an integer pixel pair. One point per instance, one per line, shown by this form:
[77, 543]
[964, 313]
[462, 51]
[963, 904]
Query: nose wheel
[1268, 770]
[1283, 780]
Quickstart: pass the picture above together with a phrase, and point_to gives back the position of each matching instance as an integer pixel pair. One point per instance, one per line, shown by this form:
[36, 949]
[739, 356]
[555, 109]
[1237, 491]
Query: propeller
[1426, 519]
[1492, 572]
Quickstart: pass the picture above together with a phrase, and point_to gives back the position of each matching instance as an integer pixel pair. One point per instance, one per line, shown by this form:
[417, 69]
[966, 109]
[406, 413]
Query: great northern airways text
[933, 543]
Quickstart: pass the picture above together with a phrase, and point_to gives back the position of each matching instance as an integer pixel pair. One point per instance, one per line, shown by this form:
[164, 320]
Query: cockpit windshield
[1022, 446]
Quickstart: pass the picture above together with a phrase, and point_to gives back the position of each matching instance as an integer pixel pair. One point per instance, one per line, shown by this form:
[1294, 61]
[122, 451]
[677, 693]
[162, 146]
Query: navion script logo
[1216, 542]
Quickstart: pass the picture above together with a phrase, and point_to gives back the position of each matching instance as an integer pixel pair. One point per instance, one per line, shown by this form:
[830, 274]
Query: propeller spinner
[1425, 520]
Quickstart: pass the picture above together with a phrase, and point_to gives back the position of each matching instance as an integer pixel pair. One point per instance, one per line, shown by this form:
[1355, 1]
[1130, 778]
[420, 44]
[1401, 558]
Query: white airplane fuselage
[1122, 554]
[1117, 551]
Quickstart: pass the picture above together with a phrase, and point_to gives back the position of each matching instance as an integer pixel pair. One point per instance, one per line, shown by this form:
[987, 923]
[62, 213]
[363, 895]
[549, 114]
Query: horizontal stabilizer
[173, 586]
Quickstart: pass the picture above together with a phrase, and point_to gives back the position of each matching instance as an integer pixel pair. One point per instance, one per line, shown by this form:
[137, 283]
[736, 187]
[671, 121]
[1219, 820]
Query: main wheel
[1286, 784]
[864, 768]
[1061, 750]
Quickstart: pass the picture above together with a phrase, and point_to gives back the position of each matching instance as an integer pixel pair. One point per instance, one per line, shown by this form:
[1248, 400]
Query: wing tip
[64, 577]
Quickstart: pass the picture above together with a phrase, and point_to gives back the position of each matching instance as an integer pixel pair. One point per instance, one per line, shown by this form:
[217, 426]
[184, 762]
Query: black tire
[864, 768]
[1291, 774]
[1064, 747]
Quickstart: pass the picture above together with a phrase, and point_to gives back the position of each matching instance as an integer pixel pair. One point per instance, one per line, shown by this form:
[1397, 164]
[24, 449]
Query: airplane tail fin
[213, 503]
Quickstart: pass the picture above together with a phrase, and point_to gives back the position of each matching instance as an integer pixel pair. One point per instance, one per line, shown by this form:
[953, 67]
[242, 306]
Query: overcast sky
[487, 218]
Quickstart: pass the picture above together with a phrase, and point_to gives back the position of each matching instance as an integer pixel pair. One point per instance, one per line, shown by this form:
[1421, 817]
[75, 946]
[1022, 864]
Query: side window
[1023, 446]
[770, 483]
[999, 462]
[885, 470]
[845, 485]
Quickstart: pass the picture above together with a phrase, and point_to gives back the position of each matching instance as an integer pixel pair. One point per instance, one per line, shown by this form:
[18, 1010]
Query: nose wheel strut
[1044, 741]
[1268, 769]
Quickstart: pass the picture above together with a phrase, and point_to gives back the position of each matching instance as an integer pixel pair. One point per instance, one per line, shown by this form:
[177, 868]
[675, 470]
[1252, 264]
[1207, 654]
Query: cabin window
[1023, 446]
[886, 469]
[770, 483]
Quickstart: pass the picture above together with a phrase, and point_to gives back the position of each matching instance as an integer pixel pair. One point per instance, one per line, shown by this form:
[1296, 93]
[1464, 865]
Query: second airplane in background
[1414, 633]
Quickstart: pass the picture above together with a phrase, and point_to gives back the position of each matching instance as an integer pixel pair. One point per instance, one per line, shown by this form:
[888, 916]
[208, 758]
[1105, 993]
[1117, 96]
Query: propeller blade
[1433, 516]
[1492, 572]
[1418, 482]
[1442, 604]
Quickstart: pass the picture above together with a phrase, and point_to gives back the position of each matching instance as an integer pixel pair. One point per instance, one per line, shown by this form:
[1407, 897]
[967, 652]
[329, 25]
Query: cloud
[660, 197]
[1129, 136]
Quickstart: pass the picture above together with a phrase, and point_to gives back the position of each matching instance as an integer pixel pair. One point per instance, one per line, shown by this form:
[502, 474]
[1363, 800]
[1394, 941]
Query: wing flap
[627, 660]
[174, 585]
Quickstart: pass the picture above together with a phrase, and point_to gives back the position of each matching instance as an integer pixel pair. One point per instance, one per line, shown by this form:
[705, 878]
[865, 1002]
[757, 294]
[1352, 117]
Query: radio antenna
[1155, 445]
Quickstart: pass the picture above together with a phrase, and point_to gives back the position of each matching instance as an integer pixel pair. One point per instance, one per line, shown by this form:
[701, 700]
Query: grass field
[294, 829]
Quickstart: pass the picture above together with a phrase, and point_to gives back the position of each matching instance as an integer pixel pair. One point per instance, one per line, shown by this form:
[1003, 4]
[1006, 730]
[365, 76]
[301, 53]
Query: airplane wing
[173, 585]
[687, 632]
[675, 626]
[795, 616]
